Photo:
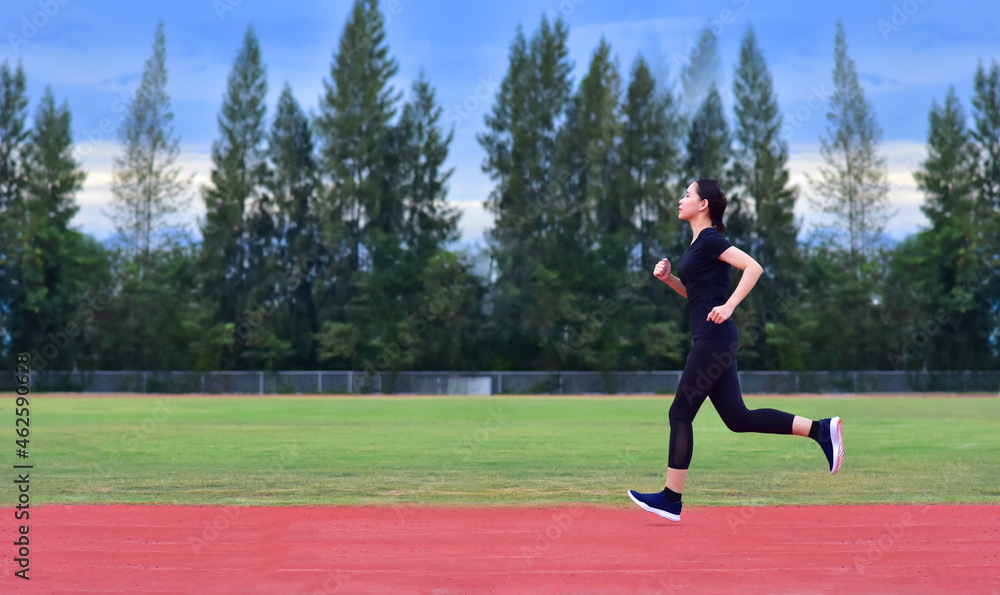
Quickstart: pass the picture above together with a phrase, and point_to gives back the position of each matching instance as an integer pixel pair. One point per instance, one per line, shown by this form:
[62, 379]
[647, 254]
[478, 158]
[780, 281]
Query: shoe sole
[837, 441]
[656, 511]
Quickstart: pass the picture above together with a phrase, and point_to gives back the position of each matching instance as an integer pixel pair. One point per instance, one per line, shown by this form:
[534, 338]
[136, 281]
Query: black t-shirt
[706, 279]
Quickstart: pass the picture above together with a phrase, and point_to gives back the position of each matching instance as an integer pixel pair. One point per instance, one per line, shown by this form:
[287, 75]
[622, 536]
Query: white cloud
[95, 198]
[902, 159]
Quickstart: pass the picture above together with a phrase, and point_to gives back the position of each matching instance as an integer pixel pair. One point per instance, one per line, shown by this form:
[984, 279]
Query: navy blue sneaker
[831, 438]
[657, 504]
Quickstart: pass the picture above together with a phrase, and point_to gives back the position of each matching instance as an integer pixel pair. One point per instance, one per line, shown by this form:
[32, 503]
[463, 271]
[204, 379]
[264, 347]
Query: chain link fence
[555, 383]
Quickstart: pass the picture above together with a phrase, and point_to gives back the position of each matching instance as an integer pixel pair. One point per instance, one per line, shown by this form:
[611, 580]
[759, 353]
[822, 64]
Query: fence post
[319, 382]
[261, 382]
[855, 376]
[500, 383]
[350, 381]
[796, 383]
[144, 381]
[202, 383]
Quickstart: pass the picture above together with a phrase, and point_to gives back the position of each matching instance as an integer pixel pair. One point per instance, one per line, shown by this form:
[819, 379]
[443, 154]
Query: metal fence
[556, 383]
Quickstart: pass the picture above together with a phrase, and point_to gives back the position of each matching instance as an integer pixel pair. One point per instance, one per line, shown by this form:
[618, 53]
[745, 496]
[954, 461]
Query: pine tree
[429, 223]
[932, 269]
[766, 228]
[948, 175]
[650, 155]
[592, 227]
[701, 71]
[355, 119]
[238, 228]
[986, 134]
[852, 186]
[59, 263]
[708, 149]
[761, 160]
[147, 188]
[13, 138]
[302, 256]
[528, 295]
[708, 153]
[13, 144]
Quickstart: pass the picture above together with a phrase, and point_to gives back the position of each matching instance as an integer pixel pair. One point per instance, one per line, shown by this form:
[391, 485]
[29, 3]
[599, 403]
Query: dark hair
[709, 190]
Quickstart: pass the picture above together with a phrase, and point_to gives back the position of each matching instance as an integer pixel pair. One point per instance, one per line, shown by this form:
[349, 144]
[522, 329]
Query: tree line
[328, 241]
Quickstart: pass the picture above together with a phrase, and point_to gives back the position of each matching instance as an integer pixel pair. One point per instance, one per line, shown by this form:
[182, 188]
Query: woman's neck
[698, 226]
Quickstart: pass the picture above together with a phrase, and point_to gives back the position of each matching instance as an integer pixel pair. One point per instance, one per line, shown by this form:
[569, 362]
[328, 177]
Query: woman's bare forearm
[747, 281]
[676, 285]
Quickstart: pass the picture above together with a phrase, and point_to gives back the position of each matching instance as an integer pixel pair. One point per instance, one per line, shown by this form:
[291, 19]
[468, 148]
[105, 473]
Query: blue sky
[91, 53]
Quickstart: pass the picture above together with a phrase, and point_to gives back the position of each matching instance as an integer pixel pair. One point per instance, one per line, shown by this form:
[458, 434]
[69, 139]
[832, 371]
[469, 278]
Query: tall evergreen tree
[760, 166]
[58, 264]
[708, 153]
[147, 319]
[429, 223]
[403, 245]
[760, 182]
[701, 71]
[932, 269]
[520, 143]
[13, 144]
[852, 186]
[356, 110]
[148, 189]
[708, 148]
[592, 227]
[948, 175]
[301, 256]
[986, 134]
[237, 211]
[650, 155]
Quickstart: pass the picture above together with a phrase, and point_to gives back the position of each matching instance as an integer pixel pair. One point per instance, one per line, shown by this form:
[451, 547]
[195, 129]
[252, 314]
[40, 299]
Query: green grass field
[495, 451]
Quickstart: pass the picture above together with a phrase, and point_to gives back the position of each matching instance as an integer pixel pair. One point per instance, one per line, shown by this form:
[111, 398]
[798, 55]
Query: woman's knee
[737, 421]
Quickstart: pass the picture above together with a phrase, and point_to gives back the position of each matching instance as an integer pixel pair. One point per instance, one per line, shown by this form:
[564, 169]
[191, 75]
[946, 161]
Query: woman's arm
[662, 272]
[751, 272]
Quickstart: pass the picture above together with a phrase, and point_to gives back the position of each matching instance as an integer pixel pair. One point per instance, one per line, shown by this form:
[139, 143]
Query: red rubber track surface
[325, 550]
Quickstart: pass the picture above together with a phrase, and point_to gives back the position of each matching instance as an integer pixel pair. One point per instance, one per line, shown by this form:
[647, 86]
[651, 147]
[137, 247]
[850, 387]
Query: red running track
[326, 550]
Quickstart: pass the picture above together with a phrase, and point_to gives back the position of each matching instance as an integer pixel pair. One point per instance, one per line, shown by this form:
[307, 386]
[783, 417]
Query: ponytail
[709, 190]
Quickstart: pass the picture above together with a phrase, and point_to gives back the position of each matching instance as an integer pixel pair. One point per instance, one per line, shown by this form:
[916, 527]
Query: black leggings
[711, 371]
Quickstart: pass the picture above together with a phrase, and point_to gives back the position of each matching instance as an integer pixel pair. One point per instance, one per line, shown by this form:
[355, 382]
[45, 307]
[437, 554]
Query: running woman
[710, 369]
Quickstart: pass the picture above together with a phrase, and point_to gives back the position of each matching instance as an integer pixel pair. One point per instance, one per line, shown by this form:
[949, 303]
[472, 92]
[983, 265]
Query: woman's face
[691, 203]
